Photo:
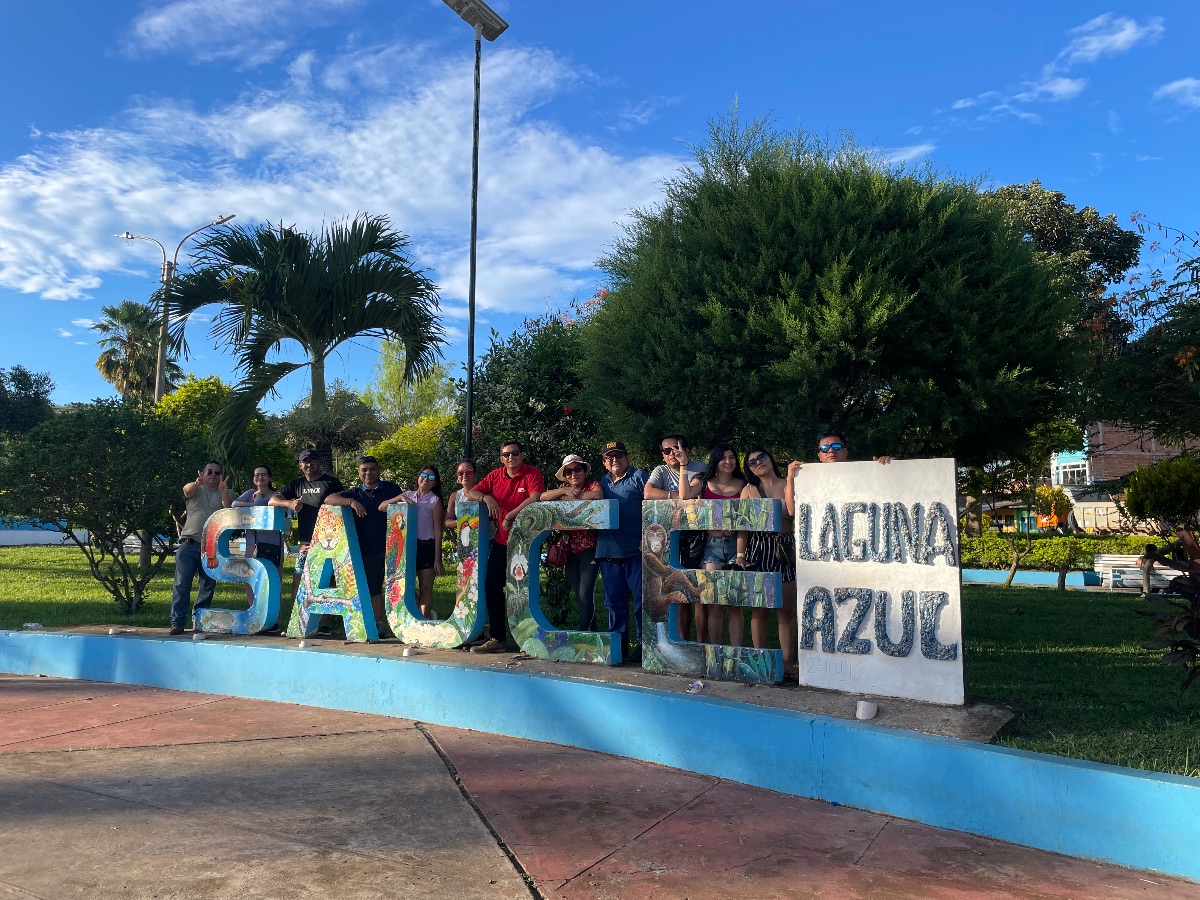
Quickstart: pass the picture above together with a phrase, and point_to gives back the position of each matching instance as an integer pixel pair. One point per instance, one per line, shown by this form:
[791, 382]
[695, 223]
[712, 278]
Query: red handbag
[557, 554]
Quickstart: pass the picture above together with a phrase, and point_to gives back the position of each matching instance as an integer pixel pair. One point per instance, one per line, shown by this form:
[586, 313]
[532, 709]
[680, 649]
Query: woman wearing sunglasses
[581, 568]
[464, 474]
[770, 552]
[431, 516]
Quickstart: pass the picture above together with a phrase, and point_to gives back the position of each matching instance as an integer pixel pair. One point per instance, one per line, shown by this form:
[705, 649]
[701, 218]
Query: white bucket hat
[569, 459]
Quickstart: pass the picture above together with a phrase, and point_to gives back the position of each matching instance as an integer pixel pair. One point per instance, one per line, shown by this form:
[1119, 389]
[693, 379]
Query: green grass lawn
[1070, 663]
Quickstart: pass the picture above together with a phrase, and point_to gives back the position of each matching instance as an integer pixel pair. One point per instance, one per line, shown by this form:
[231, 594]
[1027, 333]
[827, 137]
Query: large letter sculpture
[530, 628]
[329, 583]
[878, 579]
[664, 585]
[263, 578]
[466, 621]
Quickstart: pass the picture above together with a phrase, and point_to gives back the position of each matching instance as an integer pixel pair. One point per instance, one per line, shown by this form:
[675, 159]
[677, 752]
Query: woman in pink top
[431, 514]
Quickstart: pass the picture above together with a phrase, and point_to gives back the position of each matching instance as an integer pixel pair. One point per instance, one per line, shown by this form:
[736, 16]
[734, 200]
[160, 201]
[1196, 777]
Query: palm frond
[233, 418]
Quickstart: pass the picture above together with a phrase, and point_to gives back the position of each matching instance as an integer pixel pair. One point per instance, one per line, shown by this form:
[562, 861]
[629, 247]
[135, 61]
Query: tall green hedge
[991, 551]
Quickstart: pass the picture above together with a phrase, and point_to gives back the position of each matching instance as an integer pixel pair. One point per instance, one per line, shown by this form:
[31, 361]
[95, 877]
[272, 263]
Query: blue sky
[156, 116]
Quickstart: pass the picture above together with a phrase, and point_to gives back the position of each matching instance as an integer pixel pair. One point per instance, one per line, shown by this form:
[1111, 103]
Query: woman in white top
[465, 475]
[260, 544]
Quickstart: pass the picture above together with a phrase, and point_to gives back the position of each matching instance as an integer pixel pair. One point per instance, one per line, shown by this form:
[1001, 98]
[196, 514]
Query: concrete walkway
[130, 792]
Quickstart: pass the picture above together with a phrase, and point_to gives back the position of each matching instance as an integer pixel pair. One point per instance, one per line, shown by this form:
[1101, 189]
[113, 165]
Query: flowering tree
[527, 389]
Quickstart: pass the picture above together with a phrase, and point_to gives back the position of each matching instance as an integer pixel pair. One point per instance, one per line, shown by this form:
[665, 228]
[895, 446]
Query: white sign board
[878, 583]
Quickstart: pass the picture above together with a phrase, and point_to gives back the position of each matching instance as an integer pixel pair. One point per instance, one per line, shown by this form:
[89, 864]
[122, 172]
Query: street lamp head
[221, 220]
[128, 235]
[479, 15]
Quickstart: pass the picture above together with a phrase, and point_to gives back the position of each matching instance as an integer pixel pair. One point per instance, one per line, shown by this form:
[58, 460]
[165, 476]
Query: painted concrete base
[1128, 817]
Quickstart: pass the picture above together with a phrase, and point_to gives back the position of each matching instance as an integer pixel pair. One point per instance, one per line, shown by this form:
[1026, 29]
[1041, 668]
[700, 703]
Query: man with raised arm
[663, 484]
[204, 496]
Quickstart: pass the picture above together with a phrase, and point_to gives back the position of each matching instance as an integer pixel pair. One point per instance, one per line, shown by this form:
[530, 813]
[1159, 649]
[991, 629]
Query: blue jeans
[187, 567]
[623, 577]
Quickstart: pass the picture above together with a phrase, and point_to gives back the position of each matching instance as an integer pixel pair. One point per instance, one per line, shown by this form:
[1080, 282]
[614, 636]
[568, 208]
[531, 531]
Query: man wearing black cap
[619, 550]
[304, 497]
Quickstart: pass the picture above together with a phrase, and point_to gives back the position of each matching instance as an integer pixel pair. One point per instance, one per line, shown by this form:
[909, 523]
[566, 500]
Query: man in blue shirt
[619, 550]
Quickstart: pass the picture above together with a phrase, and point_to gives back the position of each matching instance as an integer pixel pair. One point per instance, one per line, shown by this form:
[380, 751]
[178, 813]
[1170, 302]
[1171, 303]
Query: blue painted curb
[1124, 816]
[1024, 576]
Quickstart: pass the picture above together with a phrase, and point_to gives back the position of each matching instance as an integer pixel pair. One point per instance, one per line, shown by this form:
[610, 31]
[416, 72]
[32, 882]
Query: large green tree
[128, 358]
[281, 289]
[1153, 382]
[784, 284]
[527, 389]
[24, 400]
[110, 469]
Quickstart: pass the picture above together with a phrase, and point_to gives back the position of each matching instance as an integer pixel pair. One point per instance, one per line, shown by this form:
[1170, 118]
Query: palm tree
[129, 350]
[278, 285]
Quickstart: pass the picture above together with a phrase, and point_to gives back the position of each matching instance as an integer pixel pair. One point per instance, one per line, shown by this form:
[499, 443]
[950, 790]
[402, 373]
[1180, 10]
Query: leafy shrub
[992, 551]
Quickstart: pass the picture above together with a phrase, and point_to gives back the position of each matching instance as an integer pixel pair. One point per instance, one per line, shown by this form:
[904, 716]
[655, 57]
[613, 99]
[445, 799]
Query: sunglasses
[212, 472]
[610, 457]
[829, 448]
[669, 450]
[461, 472]
[510, 453]
[428, 476]
[760, 460]
[574, 470]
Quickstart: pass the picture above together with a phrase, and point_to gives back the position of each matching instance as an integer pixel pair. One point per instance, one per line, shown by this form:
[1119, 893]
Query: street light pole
[487, 24]
[166, 276]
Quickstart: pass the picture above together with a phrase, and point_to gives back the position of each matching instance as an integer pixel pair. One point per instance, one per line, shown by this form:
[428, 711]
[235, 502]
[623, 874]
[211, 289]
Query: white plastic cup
[114, 631]
[866, 710]
[407, 651]
[199, 636]
[304, 645]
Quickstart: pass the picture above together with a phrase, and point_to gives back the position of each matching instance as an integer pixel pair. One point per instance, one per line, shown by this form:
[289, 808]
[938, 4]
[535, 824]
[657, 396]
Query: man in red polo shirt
[505, 491]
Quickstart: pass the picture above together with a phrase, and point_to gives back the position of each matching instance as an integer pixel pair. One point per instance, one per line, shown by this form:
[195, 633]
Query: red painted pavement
[587, 825]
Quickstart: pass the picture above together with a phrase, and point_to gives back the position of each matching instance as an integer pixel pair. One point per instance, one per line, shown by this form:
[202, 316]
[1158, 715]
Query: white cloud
[62, 332]
[1142, 157]
[643, 113]
[550, 203]
[83, 323]
[1185, 92]
[1107, 35]
[82, 343]
[1052, 88]
[899, 155]
[250, 33]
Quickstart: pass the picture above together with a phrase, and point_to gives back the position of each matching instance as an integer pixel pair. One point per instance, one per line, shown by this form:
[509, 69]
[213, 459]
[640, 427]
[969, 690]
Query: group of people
[613, 555]
[303, 497]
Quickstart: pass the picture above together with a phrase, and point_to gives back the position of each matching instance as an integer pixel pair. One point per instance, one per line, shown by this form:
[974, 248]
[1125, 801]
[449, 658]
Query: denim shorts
[720, 550]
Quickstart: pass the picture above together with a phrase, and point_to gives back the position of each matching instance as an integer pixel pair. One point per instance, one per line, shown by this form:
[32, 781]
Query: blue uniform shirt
[626, 539]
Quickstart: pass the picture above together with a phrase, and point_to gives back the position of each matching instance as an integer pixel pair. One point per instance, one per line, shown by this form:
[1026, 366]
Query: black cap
[613, 445]
[309, 453]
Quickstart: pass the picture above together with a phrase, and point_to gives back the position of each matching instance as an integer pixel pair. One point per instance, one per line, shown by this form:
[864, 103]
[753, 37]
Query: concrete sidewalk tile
[19, 692]
[912, 849]
[559, 809]
[352, 816]
[226, 719]
[67, 718]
